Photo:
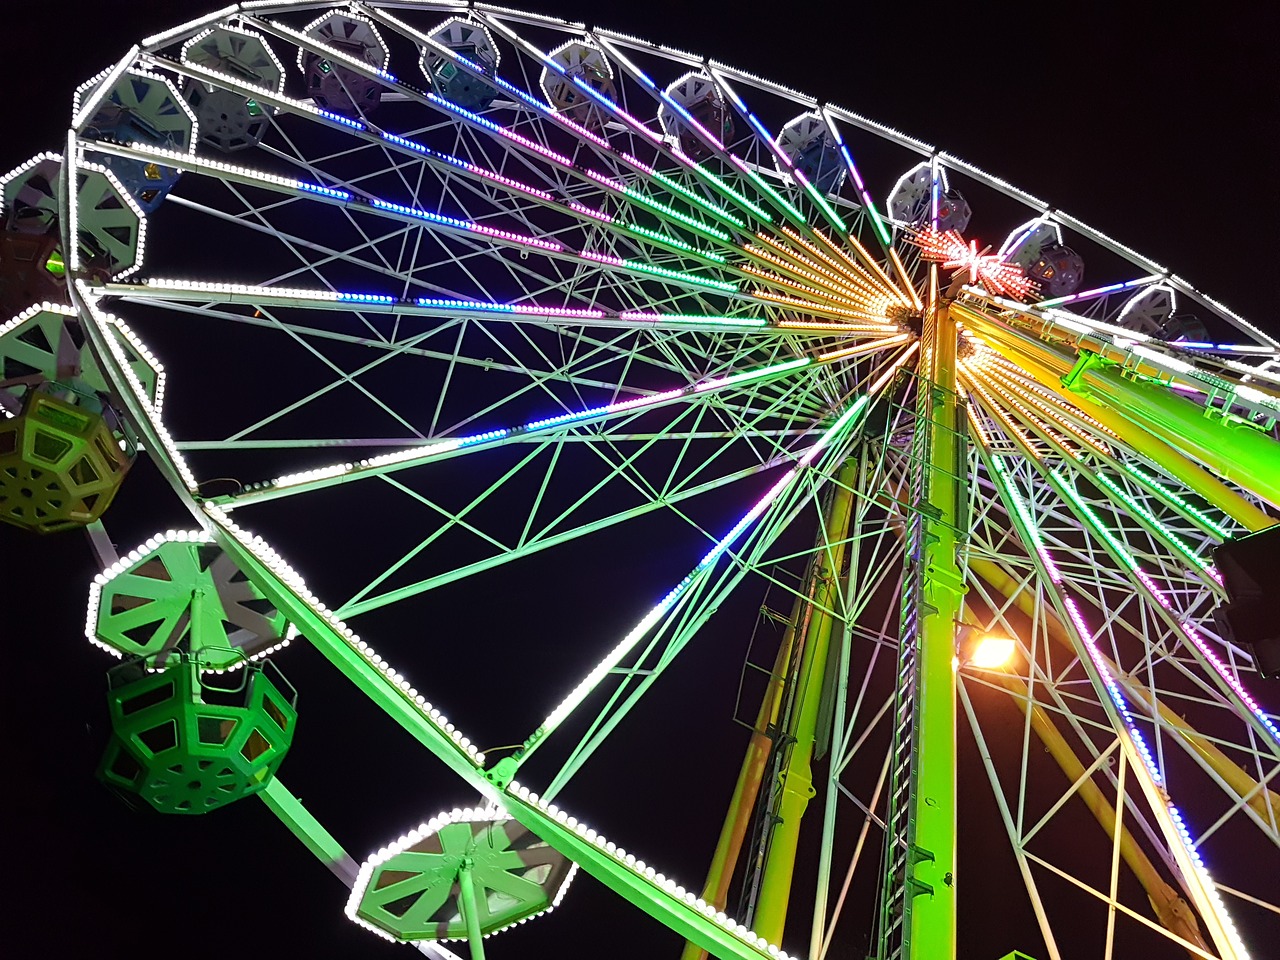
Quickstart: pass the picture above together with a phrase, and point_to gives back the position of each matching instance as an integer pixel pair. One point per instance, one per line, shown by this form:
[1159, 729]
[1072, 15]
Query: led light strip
[869, 264]
[647, 317]
[783, 204]
[1179, 502]
[1168, 535]
[638, 632]
[420, 454]
[800, 287]
[447, 306]
[839, 277]
[1012, 372]
[184, 161]
[806, 306]
[996, 409]
[639, 868]
[846, 266]
[1160, 794]
[267, 555]
[500, 130]
[322, 49]
[833, 287]
[846, 327]
[780, 155]
[547, 110]
[418, 213]
[263, 95]
[1036, 415]
[1126, 557]
[478, 170]
[659, 271]
[150, 411]
[631, 193]
[1097, 291]
[693, 197]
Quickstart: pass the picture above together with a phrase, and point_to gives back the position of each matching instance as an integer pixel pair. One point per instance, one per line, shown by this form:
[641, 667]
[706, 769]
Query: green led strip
[720, 321]
[753, 374]
[693, 197]
[1167, 534]
[675, 214]
[1182, 504]
[1005, 482]
[658, 237]
[1070, 492]
[821, 201]
[728, 191]
[677, 275]
[777, 198]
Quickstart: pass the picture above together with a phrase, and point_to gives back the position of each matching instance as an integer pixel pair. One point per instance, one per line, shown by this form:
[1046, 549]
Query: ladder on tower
[899, 887]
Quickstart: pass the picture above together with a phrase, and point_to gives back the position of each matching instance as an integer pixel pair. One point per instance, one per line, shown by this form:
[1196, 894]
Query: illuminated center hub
[949, 249]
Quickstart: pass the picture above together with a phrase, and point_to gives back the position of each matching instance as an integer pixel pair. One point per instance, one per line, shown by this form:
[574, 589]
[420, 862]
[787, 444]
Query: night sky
[1158, 128]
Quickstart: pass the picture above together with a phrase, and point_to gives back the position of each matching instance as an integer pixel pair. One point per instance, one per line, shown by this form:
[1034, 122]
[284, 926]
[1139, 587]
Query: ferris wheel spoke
[1196, 746]
[651, 139]
[514, 141]
[1085, 461]
[1177, 624]
[530, 546]
[703, 598]
[468, 233]
[1142, 762]
[783, 162]
[664, 613]
[707, 394]
[1240, 787]
[1153, 448]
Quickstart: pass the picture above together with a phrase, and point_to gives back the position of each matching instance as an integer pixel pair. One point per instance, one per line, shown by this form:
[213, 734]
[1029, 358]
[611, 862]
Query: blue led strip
[421, 214]
[324, 191]
[339, 118]
[367, 298]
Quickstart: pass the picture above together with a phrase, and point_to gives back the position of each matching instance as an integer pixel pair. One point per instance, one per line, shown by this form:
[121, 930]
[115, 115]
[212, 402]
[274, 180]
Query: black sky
[1155, 125]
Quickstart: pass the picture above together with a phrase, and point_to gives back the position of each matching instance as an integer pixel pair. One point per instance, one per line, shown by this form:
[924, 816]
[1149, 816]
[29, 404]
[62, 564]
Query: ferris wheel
[422, 308]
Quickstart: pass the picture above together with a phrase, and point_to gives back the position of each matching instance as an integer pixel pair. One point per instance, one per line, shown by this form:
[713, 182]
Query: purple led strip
[606, 180]
[590, 211]
[500, 130]
[517, 237]
[499, 178]
[642, 167]
[603, 258]
[1221, 668]
[1100, 664]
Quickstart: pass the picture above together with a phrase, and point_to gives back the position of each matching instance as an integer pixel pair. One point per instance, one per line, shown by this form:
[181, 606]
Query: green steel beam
[651, 893]
[470, 909]
[797, 774]
[1234, 450]
[747, 788]
[933, 915]
[1047, 366]
[309, 830]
